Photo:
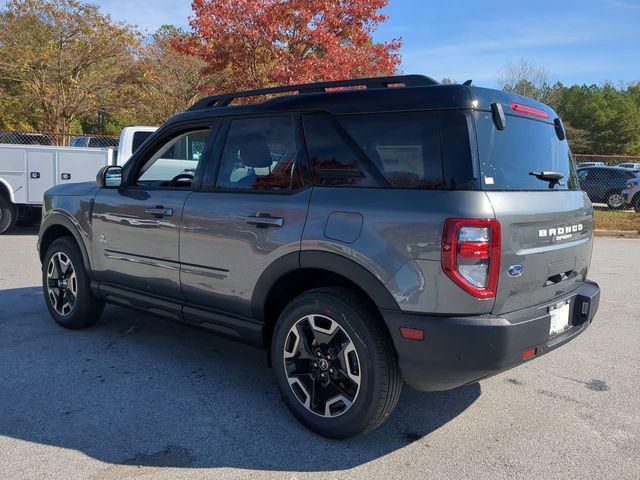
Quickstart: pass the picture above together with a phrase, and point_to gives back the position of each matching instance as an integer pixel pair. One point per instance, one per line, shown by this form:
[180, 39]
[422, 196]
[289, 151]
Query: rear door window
[420, 150]
[507, 157]
[260, 154]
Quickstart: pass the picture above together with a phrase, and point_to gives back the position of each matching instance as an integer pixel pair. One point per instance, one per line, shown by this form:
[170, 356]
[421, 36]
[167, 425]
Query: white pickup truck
[27, 171]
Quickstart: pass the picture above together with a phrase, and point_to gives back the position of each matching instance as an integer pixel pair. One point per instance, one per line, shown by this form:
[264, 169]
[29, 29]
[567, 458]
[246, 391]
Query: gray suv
[364, 232]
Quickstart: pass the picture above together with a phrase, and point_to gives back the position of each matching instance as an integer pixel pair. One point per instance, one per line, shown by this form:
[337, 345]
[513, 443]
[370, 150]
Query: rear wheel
[636, 205]
[335, 366]
[66, 286]
[615, 200]
[8, 214]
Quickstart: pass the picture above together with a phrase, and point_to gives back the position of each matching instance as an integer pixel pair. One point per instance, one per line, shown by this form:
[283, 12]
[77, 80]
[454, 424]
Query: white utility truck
[27, 171]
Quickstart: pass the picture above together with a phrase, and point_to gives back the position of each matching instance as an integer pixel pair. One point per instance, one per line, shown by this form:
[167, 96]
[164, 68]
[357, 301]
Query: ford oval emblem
[515, 270]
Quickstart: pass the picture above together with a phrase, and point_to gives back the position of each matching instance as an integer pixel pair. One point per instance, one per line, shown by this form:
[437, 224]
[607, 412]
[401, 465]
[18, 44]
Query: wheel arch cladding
[295, 273]
[57, 226]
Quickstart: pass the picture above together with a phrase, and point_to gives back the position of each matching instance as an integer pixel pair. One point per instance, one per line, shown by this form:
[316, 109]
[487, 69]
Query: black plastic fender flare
[317, 259]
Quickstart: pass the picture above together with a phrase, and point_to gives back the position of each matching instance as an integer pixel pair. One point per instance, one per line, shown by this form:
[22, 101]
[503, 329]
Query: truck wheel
[636, 205]
[334, 363]
[8, 215]
[65, 284]
[615, 200]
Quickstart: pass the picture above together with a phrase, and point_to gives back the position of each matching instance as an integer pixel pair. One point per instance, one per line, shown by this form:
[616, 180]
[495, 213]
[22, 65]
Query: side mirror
[109, 177]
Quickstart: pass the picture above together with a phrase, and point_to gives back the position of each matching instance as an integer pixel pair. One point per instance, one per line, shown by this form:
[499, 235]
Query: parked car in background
[93, 142]
[19, 138]
[590, 164]
[363, 236]
[605, 184]
[630, 166]
[631, 194]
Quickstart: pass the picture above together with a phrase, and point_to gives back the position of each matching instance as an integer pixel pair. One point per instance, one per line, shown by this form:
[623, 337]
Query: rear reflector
[527, 110]
[412, 333]
[527, 354]
[474, 250]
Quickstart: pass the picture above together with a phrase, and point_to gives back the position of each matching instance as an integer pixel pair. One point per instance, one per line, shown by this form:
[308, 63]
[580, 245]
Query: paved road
[139, 398]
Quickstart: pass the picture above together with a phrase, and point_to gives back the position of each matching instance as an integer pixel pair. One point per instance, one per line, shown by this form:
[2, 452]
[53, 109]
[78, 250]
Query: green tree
[173, 80]
[63, 60]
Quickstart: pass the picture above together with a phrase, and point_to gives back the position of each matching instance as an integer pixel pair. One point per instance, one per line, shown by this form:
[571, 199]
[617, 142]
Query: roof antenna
[467, 83]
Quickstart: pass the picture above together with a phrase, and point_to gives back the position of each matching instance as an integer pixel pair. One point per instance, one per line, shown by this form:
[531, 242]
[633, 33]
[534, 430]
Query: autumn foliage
[258, 43]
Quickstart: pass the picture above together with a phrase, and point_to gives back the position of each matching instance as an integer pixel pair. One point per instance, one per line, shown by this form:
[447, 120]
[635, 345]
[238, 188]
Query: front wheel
[636, 205]
[66, 286]
[335, 367]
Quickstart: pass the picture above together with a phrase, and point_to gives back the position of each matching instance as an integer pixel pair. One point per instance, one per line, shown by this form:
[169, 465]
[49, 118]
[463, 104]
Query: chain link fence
[611, 181]
[607, 160]
[57, 139]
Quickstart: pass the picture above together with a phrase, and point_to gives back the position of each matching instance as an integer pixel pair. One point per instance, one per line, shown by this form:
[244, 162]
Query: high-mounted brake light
[471, 254]
[527, 110]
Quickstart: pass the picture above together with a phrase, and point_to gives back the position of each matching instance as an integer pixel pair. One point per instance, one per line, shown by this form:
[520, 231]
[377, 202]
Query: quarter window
[421, 150]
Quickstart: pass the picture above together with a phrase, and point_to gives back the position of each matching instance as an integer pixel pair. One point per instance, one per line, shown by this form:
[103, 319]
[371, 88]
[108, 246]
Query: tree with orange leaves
[260, 43]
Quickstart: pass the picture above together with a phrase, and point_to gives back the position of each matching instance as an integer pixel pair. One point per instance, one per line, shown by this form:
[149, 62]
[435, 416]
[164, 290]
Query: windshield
[511, 158]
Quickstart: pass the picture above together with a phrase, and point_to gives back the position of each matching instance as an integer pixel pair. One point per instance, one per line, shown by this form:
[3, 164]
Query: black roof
[407, 92]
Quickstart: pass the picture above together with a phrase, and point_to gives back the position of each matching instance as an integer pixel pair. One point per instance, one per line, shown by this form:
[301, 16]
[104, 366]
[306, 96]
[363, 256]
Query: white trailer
[27, 171]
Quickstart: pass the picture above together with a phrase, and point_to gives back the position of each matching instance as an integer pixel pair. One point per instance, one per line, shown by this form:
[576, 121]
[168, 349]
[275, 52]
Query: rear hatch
[546, 221]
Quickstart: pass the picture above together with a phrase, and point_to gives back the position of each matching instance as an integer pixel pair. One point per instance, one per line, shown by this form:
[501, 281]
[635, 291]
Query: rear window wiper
[552, 177]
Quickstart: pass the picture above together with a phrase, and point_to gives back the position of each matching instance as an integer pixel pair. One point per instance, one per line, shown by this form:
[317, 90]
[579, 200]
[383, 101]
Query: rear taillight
[471, 254]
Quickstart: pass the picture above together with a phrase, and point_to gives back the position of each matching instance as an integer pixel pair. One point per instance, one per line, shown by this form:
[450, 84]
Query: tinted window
[79, 142]
[138, 139]
[260, 154]
[424, 150]
[335, 159]
[508, 156]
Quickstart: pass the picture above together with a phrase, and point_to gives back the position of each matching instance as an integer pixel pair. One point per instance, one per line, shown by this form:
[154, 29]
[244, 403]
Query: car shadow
[23, 230]
[135, 390]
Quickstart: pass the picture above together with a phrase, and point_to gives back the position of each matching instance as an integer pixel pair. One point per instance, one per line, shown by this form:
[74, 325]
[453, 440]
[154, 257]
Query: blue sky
[586, 41]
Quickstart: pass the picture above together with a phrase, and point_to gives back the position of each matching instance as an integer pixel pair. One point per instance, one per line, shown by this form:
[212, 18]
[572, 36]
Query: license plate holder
[560, 318]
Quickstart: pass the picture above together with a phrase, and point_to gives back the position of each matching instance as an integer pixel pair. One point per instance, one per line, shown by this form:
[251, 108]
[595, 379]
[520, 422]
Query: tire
[615, 200]
[636, 204]
[78, 308]
[364, 366]
[8, 215]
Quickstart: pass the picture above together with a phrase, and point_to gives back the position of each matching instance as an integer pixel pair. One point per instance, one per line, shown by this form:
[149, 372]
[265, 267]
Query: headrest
[255, 154]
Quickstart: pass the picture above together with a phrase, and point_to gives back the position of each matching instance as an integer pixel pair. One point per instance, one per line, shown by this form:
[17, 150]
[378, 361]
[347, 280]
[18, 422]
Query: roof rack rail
[216, 101]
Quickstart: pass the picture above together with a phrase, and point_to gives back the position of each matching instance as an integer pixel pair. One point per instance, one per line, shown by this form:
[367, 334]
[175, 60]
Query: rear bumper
[461, 350]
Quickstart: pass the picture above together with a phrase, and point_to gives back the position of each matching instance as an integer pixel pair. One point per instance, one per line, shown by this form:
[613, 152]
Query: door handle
[264, 220]
[159, 211]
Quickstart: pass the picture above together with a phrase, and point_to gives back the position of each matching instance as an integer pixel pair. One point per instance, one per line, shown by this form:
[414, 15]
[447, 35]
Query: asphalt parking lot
[135, 397]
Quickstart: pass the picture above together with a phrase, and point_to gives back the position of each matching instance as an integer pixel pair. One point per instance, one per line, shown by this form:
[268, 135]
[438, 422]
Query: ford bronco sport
[364, 232]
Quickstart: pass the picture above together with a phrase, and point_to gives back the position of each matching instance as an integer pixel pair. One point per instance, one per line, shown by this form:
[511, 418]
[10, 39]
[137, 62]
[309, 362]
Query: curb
[617, 233]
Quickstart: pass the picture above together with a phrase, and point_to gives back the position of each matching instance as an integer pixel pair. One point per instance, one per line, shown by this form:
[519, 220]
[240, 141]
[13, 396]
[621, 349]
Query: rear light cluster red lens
[527, 110]
[471, 254]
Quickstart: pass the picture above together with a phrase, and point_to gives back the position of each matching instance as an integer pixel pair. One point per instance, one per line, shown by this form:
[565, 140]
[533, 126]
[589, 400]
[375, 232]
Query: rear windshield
[420, 150]
[507, 157]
